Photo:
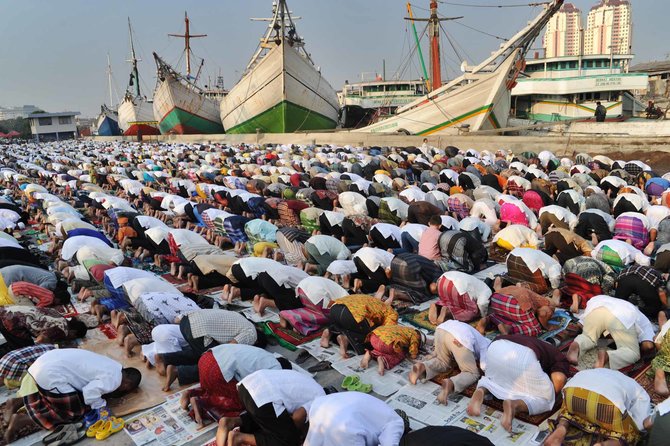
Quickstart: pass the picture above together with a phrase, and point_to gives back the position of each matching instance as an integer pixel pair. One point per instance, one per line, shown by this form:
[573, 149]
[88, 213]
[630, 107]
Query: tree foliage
[20, 125]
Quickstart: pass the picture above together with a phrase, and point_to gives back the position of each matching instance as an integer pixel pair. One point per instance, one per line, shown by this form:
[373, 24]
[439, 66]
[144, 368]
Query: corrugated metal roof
[652, 67]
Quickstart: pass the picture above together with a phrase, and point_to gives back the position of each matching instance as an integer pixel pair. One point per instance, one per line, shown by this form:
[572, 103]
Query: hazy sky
[53, 53]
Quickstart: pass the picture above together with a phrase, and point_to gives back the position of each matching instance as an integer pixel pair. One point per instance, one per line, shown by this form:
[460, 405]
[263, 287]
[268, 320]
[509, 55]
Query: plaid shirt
[221, 326]
[16, 362]
[506, 310]
[646, 273]
[591, 270]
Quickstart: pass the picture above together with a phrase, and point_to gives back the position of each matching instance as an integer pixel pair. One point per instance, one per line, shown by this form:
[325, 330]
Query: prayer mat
[214, 290]
[286, 337]
[173, 280]
[645, 378]
[419, 320]
[66, 310]
[566, 332]
[497, 254]
[138, 325]
[150, 392]
[108, 330]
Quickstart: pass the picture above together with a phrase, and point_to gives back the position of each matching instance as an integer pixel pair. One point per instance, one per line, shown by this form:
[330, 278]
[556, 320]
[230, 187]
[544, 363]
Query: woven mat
[419, 320]
[287, 338]
[173, 280]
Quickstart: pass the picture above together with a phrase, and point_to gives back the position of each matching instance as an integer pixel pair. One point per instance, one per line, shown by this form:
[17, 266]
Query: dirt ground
[659, 161]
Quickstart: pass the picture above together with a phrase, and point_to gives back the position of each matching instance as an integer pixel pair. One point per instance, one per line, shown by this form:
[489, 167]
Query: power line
[492, 6]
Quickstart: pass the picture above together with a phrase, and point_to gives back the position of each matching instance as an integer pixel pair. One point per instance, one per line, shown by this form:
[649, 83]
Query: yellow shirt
[364, 307]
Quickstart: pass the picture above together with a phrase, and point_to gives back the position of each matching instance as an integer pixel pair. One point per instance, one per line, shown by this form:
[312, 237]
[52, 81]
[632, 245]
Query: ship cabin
[568, 88]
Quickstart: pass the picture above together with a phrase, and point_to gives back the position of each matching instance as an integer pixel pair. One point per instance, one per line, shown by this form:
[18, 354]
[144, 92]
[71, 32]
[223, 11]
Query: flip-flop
[320, 367]
[56, 432]
[361, 387]
[302, 357]
[350, 381]
[69, 436]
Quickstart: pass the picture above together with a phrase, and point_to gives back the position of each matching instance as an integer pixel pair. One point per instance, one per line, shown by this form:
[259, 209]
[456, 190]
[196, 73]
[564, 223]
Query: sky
[53, 54]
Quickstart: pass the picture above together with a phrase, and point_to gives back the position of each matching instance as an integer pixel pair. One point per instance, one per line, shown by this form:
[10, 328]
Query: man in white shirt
[322, 250]
[372, 264]
[352, 418]
[275, 402]
[456, 343]
[624, 394]
[630, 329]
[69, 382]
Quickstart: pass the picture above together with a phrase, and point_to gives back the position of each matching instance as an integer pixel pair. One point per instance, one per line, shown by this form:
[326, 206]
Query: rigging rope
[525, 5]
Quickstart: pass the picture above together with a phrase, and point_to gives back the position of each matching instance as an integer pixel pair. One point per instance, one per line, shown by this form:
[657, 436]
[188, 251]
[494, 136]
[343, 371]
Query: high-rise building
[16, 112]
[609, 28]
[562, 35]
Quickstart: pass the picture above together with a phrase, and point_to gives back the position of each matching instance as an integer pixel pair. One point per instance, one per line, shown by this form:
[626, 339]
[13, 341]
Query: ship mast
[434, 34]
[134, 74]
[187, 36]
[109, 81]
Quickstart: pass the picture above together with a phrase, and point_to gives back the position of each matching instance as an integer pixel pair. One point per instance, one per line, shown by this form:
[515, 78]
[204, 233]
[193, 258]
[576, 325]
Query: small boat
[479, 99]
[136, 113]
[180, 106]
[281, 90]
[108, 119]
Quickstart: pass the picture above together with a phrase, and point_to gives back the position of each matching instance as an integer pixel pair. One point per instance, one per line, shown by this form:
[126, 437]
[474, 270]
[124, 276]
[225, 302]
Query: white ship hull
[181, 110]
[137, 116]
[282, 93]
[482, 104]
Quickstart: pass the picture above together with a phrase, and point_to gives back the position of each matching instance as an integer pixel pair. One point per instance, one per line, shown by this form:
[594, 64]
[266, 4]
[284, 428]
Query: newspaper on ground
[421, 405]
[164, 424]
[491, 272]
[270, 315]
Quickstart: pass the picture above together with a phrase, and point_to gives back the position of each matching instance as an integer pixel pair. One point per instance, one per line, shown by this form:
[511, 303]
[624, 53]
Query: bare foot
[475, 406]
[497, 283]
[418, 372]
[225, 292]
[185, 400]
[503, 329]
[602, 359]
[660, 384]
[557, 437]
[365, 362]
[509, 412]
[325, 338]
[481, 325]
[264, 303]
[257, 303]
[574, 308]
[433, 314]
[343, 343]
[170, 376]
[129, 344]
[283, 323]
[121, 335]
[160, 365]
[380, 292]
[358, 283]
[380, 367]
[447, 389]
[391, 298]
[573, 354]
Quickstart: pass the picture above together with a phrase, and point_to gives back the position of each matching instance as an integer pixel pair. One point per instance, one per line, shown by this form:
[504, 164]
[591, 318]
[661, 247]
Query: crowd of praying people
[341, 242]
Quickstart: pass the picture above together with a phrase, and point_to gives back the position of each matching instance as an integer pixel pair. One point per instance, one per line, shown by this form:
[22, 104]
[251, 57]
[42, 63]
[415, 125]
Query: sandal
[320, 367]
[111, 426]
[56, 434]
[362, 387]
[350, 381]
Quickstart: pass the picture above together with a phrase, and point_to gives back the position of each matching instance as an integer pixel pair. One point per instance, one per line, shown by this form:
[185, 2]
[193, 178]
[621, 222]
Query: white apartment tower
[562, 35]
[609, 28]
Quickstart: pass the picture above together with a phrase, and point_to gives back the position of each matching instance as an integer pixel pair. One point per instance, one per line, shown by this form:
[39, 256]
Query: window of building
[44, 121]
[65, 120]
